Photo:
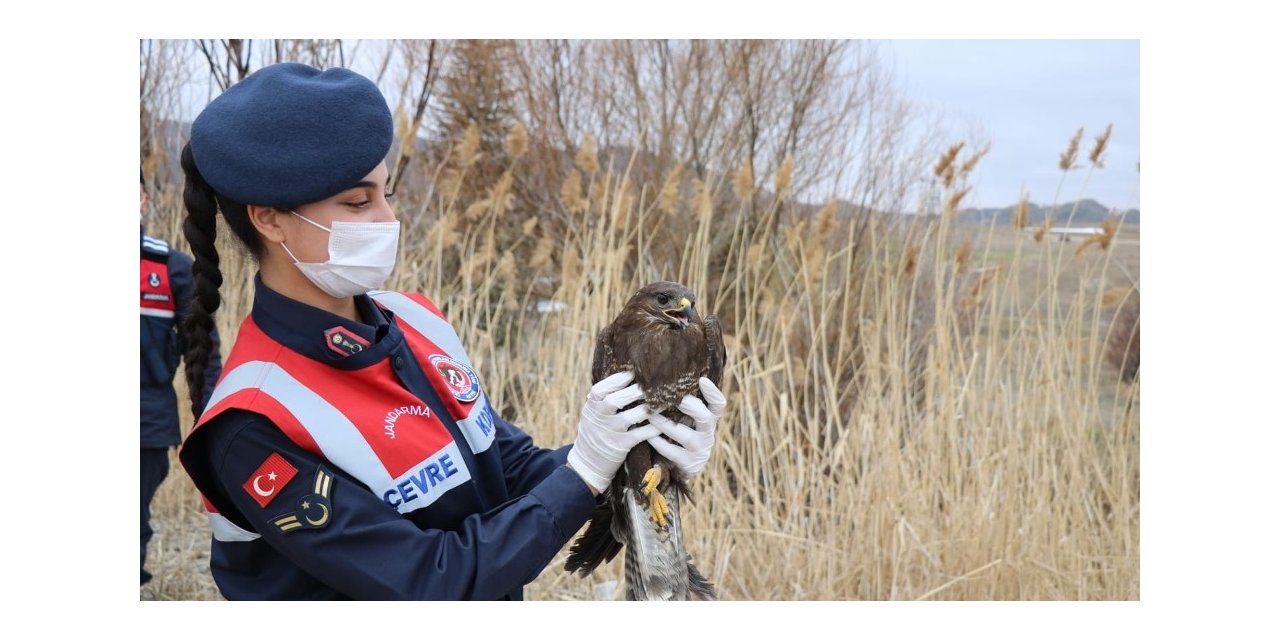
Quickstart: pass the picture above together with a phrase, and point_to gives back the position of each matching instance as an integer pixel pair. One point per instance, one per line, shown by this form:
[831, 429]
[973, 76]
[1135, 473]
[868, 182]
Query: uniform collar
[324, 336]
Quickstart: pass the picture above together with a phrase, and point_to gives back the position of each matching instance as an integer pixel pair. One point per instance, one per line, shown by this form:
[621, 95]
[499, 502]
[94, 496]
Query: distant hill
[1087, 212]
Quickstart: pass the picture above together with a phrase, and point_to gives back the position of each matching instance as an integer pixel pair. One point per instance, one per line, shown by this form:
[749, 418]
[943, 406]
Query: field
[918, 409]
[932, 416]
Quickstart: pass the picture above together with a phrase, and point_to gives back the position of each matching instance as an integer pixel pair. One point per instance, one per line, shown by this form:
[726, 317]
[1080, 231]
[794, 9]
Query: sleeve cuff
[561, 455]
[568, 498]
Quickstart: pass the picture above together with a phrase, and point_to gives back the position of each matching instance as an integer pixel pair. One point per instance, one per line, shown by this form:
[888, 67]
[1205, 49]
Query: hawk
[660, 338]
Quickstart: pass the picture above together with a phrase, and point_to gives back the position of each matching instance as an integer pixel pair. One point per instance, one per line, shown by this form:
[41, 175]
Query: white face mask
[361, 257]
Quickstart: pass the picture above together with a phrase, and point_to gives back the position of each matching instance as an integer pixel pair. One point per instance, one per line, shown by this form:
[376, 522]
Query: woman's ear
[267, 221]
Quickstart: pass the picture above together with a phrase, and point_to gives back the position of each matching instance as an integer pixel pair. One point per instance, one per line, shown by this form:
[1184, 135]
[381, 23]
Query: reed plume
[1067, 161]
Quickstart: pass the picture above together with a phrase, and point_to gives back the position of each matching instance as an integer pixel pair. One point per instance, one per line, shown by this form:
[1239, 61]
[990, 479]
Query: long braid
[200, 229]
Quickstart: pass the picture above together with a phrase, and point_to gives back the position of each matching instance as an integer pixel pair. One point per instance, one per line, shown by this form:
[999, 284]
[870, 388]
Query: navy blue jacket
[161, 349]
[482, 540]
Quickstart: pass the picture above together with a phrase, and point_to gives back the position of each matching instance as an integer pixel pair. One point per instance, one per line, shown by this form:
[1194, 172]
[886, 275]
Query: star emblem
[314, 510]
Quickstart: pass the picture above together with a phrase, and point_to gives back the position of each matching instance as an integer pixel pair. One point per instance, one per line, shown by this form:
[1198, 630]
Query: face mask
[361, 257]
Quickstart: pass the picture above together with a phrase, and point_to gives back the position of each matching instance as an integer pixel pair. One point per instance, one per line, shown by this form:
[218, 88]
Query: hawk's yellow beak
[683, 312]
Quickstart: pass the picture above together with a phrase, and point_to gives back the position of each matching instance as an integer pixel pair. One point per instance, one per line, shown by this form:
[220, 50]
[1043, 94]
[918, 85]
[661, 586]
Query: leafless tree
[422, 64]
[228, 60]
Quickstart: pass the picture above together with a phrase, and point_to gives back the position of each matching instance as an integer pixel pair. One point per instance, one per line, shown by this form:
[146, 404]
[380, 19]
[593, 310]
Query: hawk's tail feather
[597, 544]
[682, 485]
[699, 587]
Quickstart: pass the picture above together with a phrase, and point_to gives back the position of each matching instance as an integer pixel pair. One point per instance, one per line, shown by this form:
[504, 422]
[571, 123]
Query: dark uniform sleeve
[366, 550]
[524, 464]
[180, 276]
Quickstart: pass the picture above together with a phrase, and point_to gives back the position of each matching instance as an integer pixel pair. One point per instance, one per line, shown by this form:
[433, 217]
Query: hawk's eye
[663, 299]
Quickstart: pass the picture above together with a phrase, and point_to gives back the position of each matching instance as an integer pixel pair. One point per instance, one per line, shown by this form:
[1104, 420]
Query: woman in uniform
[349, 449]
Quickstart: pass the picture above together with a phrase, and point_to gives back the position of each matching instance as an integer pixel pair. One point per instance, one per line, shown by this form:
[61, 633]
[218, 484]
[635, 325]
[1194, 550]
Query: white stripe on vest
[225, 530]
[339, 440]
[477, 427]
[159, 313]
[427, 480]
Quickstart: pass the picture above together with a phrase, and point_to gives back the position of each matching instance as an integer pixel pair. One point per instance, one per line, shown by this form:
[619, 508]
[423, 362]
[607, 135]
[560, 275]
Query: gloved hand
[694, 445]
[603, 437]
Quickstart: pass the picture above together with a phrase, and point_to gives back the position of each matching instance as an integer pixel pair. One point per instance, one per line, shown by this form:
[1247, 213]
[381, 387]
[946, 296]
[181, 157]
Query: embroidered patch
[315, 509]
[264, 484]
[462, 381]
[153, 279]
[343, 342]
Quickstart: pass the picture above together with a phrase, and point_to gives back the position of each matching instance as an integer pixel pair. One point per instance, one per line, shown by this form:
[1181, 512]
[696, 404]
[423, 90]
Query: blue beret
[290, 134]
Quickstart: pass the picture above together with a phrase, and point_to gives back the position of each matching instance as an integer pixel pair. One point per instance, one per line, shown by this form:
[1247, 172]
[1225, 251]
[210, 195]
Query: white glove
[694, 448]
[604, 437]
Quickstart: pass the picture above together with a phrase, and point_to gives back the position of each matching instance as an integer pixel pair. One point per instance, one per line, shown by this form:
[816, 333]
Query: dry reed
[900, 425]
[1067, 161]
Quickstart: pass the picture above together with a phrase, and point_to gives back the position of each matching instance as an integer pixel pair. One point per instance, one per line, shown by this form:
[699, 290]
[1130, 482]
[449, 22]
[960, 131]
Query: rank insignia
[315, 509]
[344, 342]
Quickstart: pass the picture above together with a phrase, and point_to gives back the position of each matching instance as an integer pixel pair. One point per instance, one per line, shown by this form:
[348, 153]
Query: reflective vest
[364, 421]
[159, 340]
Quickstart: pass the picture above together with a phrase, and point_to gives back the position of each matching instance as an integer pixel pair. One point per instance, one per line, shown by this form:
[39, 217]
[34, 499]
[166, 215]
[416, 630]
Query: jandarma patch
[265, 483]
[461, 380]
[344, 342]
[315, 509]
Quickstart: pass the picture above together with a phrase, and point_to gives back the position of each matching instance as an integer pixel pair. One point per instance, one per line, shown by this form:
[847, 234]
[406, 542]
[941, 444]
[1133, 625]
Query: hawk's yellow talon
[651, 479]
[658, 508]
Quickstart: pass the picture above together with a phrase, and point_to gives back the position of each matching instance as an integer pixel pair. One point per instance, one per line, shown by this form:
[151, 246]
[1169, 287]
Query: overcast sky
[1029, 97]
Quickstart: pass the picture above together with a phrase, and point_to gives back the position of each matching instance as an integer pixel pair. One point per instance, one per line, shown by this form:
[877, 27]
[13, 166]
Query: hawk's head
[664, 304]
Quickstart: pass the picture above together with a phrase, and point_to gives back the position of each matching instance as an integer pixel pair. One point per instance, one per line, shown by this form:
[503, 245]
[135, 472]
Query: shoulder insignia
[155, 245]
[315, 509]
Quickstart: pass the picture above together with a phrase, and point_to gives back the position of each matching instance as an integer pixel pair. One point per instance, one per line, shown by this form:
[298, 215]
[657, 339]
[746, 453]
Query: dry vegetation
[918, 409]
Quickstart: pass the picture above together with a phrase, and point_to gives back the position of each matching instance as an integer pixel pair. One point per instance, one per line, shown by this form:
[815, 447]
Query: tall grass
[914, 412]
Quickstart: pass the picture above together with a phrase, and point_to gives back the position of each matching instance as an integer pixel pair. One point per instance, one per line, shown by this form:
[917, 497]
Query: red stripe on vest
[396, 424]
[426, 302]
[423, 345]
[268, 406]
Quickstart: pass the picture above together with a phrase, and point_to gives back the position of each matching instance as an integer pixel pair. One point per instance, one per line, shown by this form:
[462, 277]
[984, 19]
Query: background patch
[461, 380]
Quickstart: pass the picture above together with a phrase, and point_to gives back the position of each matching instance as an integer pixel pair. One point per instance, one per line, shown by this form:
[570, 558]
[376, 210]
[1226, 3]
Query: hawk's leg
[658, 508]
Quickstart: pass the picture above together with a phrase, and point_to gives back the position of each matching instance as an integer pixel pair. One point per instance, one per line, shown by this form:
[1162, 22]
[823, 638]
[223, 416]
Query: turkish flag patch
[271, 476]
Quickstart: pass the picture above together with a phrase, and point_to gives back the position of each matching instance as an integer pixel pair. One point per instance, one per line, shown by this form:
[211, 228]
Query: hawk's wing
[715, 348]
[601, 541]
[603, 360]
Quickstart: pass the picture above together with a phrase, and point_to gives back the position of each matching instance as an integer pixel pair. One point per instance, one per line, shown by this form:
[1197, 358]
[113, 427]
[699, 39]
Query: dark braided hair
[201, 229]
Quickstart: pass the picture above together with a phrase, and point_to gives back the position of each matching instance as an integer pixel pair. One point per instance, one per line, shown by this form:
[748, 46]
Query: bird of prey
[661, 339]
